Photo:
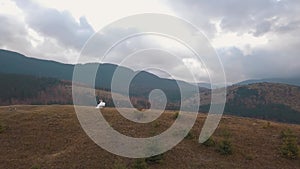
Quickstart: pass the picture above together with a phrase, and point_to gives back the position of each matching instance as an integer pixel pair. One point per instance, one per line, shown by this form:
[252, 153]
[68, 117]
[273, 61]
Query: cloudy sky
[253, 38]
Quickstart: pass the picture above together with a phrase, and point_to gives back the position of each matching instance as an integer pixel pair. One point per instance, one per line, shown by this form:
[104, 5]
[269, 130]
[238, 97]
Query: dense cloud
[43, 32]
[272, 25]
[12, 33]
[255, 16]
[53, 23]
[278, 21]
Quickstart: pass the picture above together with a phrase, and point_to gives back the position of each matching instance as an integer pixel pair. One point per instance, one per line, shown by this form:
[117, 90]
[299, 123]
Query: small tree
[289, 148]
[286, 133]
[225, 147]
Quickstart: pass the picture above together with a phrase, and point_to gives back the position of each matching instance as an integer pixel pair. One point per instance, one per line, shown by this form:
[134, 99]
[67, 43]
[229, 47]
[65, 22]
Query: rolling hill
[32, 81]
[277, 102]
[38, 137]
[31, 90]
[141, 85]
[290, 81]
[272, 101]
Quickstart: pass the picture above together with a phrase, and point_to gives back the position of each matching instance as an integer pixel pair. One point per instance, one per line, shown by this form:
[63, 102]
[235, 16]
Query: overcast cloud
[254, 38]
[276, 21]
[58, 25]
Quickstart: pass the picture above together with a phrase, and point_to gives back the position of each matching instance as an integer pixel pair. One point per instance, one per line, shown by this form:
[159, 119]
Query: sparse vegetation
[175, 116]
[286, 133]
[247, 143]
[225, 147]
[289, 148]
[152, 132]
[36, 167]
[156, 124]
[119, 166]
[189, 135]
[267, 125]
[140, 164]
[226, 133]
[1, 128]
[210, 142]
[153, 149]
[155, 159]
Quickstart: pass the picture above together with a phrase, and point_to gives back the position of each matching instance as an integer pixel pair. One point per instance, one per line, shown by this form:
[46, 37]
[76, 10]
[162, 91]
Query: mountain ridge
[259, 100]
[272, 101]
[141, 85]
[290, 81]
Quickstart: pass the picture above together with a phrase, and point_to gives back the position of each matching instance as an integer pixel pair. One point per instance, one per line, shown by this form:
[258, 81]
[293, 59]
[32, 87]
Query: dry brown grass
[51, 137]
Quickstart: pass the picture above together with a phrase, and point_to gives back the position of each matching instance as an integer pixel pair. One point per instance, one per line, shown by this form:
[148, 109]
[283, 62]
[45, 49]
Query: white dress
[101, 105]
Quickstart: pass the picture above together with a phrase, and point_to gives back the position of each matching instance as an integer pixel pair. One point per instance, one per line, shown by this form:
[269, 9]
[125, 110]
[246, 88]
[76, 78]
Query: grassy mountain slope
[276, 102]
[45, 84]
[51, 137]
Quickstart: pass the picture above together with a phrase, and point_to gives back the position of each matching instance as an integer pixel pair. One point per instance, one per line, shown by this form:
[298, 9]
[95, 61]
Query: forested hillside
[24, 89]
[140, 86]
[278, 102]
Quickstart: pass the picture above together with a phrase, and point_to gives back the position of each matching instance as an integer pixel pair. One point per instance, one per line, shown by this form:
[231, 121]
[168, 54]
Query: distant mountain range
[291, 81]
[142, 84]
[26, 80]
[271, 101]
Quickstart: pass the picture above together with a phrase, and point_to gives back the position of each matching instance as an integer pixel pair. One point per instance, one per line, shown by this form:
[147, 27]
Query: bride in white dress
[101, 104]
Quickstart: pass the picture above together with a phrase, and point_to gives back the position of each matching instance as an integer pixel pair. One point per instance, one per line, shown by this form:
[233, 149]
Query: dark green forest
[23, 87]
